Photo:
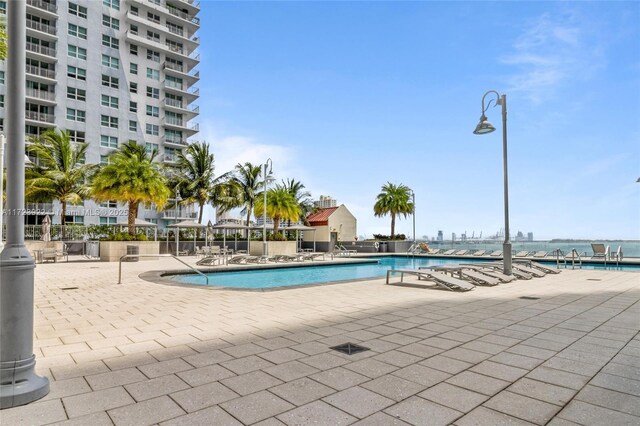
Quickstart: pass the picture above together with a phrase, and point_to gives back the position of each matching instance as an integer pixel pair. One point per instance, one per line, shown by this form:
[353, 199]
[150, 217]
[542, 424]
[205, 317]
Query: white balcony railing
[40, 94]
[43, 28]
[42, 72]
[49, 7]
[39, 116]
[43, 50]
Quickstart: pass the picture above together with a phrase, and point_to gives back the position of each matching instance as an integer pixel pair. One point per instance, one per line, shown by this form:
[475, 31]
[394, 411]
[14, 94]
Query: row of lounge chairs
[600, 251]
[244, 259]
[465, 277]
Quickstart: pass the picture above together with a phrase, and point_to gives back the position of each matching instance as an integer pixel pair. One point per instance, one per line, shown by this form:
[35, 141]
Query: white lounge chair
[496, 253]
[461, 252]
[522, 253]
[540, 254]
[438, 278]
[465, 273]
[492, 272]
[600, 251]
[479, 252]
[449, 252]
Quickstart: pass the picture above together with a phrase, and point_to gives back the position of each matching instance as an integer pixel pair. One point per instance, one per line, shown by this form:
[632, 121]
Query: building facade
[111, 71]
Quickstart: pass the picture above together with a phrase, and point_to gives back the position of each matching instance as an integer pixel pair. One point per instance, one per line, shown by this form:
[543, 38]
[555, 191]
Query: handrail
[156, 255]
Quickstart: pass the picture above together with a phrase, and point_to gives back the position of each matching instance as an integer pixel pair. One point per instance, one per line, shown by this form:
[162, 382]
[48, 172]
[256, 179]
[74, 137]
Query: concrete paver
[142, 352]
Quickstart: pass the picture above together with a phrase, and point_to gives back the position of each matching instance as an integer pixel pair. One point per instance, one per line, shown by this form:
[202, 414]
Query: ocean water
[629, 248]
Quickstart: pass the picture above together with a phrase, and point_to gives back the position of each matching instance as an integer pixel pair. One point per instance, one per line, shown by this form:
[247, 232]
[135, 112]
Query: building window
[152, 129]
[153, 36]
[133, 49]
[152, 55]
[108, 121]
[108, 81]
[110, 41]
[134, 11]
[153, 17]
[110, 22]
[109, 101]
[1, 101]
[133, 106]
[77, 73]
[1, 77]
[151, 147]
[77, 52]
[113, 4]
[76, 94]
[76, 115]
[104, 159]
[77, 136]
[108, 220]
[153, 111]
[133, 68]
[111, 62]
[111, 204]
[77, 10]
[133, 126]
[153, 74]
[77, 31]
[133, 87]
[152, 92]
[108, 141]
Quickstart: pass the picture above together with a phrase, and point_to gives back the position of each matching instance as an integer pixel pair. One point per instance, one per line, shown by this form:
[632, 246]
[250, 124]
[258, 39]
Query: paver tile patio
[142, 352]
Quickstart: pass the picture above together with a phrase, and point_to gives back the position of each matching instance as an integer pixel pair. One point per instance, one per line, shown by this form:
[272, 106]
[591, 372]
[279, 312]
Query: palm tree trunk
[276, 225]
[63, 218]
[200, 215]
[133, 214]
[393, 225]
[249, 209]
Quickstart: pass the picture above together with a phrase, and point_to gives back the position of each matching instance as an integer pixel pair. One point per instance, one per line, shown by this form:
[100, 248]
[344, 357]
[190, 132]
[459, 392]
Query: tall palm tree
[281, 205]
[302, 197]
[194, 175]
[3, 38]
[59, 172]
[246, 182]
[394, 200]
[131, 176]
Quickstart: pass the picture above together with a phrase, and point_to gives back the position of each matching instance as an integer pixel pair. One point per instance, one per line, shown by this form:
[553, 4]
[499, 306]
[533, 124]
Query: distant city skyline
[345, 96]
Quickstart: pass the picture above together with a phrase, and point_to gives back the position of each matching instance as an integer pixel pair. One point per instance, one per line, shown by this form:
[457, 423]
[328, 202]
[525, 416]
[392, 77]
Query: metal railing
[42, 72]
[43, 28]
[39, 116]
[43, 50]
[40, 94]
[127, 256]
[180, 14]
[50, 7]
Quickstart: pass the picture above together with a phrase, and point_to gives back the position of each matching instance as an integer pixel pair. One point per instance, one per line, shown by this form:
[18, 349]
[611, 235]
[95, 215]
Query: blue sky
[345, 96]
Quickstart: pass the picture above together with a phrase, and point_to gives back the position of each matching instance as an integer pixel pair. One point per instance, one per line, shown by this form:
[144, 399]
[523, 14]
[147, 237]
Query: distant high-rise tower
[111, 71]
[440, 236]
[530, 236]
[325, 202]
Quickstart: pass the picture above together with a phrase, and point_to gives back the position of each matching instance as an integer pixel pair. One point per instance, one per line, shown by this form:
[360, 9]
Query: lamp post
[175, 216]
[268, 163]
[413, 200]
[484, 127]
[19, 383]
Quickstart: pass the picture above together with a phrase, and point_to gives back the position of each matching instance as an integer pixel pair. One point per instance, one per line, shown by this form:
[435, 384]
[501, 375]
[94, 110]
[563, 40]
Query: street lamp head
[484, 126]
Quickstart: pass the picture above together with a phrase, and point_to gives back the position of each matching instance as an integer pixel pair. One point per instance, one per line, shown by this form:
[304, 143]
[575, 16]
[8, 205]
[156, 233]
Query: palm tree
[281, 205]
[59, 172]
[131, 176]
[303, 198]
[246, 182]
[394, 200]
[3, 38]
[195, 175]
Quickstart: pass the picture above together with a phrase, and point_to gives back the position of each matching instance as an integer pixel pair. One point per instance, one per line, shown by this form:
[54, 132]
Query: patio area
[558, 350]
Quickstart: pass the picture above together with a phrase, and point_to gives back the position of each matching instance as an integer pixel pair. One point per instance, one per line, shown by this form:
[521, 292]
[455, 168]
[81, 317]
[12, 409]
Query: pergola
[185, 224]
[140, 223]
[299, 228]
[234, 226]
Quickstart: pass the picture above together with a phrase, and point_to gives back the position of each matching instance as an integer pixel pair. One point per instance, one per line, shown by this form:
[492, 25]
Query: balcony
[175, 141]
[183, 213]
[32, 70]
[39, 117]
[182, 72]
[181, 107]
[51, 8]
[44, 29]
[189, 95]
[39, 49]
[181, 125]
[184, 16]
[169, 158]
[42, 95]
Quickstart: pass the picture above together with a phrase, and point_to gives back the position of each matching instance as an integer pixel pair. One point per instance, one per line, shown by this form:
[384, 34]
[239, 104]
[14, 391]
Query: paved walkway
[145, 353]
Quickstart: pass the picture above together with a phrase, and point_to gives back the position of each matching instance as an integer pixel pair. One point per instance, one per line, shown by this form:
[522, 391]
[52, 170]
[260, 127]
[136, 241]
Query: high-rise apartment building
[325, 202]
[111, 71]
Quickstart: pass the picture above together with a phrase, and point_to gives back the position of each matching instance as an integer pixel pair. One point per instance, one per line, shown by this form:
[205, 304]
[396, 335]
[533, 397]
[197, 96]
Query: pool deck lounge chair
[210, 261]
[465, 273]
[600, 251]
[496, 253]
[522, 253]
[516, 272]
[531, 271]
[438, 278]
[539, 266]
[461, 252]
[449, 252]
[540, 254]
[479, 253]
[491, 272]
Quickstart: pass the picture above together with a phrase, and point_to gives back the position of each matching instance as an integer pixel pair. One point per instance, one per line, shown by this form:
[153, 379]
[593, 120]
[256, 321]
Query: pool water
[304, 275]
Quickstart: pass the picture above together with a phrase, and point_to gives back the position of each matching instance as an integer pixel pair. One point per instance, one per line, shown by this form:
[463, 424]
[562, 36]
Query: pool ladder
[562, 258]
[127, 256]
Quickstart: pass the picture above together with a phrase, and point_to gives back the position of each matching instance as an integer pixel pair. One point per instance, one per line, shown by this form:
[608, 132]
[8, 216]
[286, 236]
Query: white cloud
[550, 52]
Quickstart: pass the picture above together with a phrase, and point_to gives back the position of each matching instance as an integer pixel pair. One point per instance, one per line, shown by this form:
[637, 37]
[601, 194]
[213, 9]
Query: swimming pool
[305, 275]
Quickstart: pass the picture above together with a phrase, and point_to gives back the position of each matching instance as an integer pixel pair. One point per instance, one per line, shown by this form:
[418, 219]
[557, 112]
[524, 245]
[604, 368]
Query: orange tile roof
[321, 215]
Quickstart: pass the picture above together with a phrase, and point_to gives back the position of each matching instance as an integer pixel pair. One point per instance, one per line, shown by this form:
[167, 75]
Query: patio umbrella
[209, 233]
[299, 228]
[46, 228]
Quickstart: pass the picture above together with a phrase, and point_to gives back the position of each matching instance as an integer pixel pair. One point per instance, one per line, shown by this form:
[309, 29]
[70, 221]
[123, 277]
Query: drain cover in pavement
[68, 288]
[529, 298]
[349, 348]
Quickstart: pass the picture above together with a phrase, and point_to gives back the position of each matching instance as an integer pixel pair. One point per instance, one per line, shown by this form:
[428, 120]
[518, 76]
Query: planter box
[273, 247]
[111, 251]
